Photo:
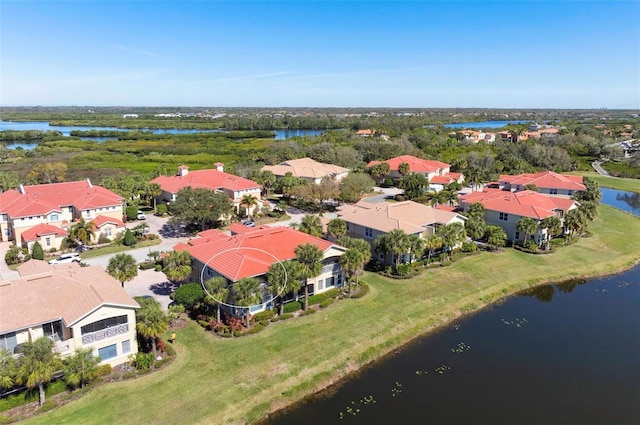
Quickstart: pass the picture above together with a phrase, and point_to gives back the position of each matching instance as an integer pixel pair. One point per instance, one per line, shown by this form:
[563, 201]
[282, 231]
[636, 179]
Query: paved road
[597, 166]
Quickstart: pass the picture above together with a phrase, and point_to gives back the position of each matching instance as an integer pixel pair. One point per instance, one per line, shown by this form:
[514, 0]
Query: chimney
[21, 189]
[219, 166]
[183, 170]
[89, 183]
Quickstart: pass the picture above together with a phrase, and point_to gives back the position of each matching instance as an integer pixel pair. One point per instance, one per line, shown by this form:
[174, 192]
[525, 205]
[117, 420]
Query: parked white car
[141, 215]
[71, 257]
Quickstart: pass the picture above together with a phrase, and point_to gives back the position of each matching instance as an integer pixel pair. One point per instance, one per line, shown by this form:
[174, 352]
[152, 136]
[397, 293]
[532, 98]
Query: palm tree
[395, 242]
[82, 231]
[404, 168]
[575, 221]
[151, 322]
[311, 225]
[217, 292]
[249, 201]
[451, 234]
[552, 224]
[7, 369]
[496, 237]
[416, 247]
[283, 278]
[475, 227]
[432, 242]
[38, 364]
[247, 293]
[590, 209]
[449, 196]
[337, 228]
[310, 258]
[81, 367]
[267, 179]
[527, 226]
[353, 261]
[154, 190]
[122, 267]
[177, 265]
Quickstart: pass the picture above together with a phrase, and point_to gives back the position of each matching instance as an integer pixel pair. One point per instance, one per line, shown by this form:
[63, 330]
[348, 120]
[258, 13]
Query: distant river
[483, 124]
[558, 354]
[66, 130]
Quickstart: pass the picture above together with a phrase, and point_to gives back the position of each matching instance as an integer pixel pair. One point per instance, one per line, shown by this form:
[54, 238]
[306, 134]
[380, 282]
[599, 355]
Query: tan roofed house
[308, 169]
[547, 182]
[368, 220]
[77, 307]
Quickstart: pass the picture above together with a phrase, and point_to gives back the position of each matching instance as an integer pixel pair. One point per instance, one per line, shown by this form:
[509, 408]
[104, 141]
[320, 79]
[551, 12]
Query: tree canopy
[200, 208]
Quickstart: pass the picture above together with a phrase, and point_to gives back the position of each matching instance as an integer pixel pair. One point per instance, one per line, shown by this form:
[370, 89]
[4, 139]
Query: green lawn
[233, 381]
[628, 185]
[113, 249]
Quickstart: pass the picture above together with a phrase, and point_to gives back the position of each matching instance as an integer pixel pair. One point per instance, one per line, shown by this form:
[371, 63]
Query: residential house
[108, 227]
[439, 173]
[77, 307]
[308, 169]
[368, 221]
[475, 136]
[57, 205]
[505, 209]
[46, 235]
[547, 182]
[249, 252]
[213, 179]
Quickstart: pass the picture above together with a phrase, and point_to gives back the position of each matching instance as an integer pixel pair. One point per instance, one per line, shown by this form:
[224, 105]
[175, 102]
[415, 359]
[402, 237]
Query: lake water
[626, 201]
[560, 354]
[483, 124]
[66, 130]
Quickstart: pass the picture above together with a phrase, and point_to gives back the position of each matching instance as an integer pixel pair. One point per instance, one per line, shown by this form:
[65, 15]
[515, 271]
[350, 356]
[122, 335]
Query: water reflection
[630, 198]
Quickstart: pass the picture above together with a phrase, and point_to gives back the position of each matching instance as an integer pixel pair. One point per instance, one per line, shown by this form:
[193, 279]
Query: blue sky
[511, 54]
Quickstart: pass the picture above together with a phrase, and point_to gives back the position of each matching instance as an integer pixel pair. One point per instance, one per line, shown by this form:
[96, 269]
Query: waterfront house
[547, 182]
[308, 169]
[249, 252]
[56, 205]
[213, 179]
[368, 221]
[77, 307]
[505, 209]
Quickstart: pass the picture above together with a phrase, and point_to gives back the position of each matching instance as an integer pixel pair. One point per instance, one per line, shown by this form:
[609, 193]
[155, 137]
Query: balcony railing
[92, 337]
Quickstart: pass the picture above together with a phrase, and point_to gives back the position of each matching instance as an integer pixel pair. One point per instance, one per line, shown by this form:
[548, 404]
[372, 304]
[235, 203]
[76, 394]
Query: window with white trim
[108, 352]
[368, 232]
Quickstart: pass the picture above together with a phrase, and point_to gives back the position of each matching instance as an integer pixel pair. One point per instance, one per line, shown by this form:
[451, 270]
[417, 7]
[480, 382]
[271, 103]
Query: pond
[559, 354]
[483, 124]
[626, 201]
[66, 130]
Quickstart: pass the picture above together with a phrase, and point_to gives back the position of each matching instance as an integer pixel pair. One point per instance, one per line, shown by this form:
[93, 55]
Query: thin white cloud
[137, 51]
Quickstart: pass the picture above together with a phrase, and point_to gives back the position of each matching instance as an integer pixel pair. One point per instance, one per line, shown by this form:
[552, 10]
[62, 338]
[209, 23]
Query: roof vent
[89, 183]
[21, 189]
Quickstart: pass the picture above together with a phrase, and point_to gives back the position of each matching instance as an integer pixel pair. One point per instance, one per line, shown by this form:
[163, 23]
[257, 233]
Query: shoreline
[337, 381]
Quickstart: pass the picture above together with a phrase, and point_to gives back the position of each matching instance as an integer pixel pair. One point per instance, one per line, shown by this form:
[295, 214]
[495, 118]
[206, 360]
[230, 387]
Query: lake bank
[242, 380]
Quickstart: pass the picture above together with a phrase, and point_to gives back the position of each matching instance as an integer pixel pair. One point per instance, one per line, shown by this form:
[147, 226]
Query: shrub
[189, 295]
[468, 246]
[48, 405]
[37, 252]
[170, 351]
[131, 213]
[327, 303]
[142, 361]
[103, 239]
[403, 269]
[129, 238]
[257, 328]
[265, 323]
[292, 306]
[319, 298]
[363, 291]
[264, 315]
[307, 312]
[400, 198]
[161, 209]
[52, 250]
[158, 267]
[388, 182]
[104, 370]
[282, 317]
[146, 265]
[13, 255]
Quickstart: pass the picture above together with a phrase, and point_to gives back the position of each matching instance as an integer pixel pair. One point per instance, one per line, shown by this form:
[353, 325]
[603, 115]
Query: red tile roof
[44, 198]
[208, 179]
[415, 164]
[250, 253]
[43, 229]
[525, 203]
[546, 179]
[101, 220]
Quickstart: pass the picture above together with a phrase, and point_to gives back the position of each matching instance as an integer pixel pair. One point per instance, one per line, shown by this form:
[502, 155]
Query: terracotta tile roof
[365, 132]
[525, 203]
[44, 293]
[415, 164]
[545, 179]
[408, 216]
[305, 168]
[43, 229]
[101, 220]
[250, 253]
[44, 198]
[208, 179]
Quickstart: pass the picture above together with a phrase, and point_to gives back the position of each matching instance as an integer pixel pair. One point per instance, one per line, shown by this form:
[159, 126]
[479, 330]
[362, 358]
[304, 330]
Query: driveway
[386, 191]
[5, 272]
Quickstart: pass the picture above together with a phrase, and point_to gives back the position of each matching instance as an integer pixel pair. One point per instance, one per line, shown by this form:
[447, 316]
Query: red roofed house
[107, 226]
[251, 252]
[77, 307]
[55, 205]
[505, 209]
[438, 173]
[45, 234]
[216, 179]
[547, 182]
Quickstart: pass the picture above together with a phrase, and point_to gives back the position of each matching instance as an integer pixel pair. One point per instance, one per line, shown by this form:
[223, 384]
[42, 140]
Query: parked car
[70, 257]
[249, 223]
[141, 215]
